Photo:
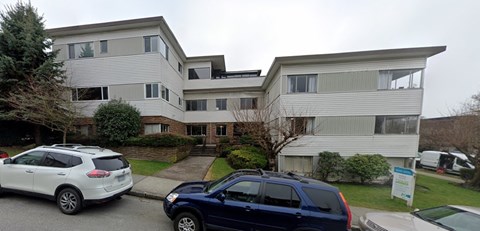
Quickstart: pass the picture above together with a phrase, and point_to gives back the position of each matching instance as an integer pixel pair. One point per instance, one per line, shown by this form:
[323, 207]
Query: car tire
[69, 201]
[186, 222]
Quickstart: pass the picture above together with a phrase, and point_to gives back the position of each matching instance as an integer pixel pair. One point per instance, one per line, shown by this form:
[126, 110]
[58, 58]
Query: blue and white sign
[403, 185]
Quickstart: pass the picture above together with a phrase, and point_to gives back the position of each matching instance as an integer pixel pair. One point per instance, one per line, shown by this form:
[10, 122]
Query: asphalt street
[130, 213]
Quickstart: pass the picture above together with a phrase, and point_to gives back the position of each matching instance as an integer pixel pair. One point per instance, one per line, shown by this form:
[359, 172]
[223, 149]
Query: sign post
[403, 185]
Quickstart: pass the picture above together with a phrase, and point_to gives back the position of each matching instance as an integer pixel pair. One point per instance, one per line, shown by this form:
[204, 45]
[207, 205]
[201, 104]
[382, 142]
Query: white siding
[273, 89]
[389, 102]
[120, 34]
[208, 117]
[201, 84]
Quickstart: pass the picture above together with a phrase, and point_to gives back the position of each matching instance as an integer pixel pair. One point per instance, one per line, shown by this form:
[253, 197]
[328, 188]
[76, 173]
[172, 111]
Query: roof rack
[89, 147]
[66, 145]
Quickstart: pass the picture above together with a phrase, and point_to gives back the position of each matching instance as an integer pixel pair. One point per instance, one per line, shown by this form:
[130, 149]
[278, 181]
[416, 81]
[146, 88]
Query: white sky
[250, 33]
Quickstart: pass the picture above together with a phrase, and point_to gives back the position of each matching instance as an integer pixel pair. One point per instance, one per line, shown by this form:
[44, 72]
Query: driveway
[191, 168]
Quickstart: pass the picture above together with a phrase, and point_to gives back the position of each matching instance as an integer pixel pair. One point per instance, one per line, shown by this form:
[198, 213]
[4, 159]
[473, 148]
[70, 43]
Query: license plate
[121, 178]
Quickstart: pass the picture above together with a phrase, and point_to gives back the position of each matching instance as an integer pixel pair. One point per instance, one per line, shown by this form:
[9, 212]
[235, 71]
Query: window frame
[195, 68]
[155, 48]
[203, 129]
[180, 68]
[253, 104]
[197, 101]
[162, 128]
[223, 104]
[165, 92]
[102, 94]
[293, 190]
[223, 130]
[72, 48]
[257, 198]
[102, 50]
[152, 91]
[308, 78]
[381, 129]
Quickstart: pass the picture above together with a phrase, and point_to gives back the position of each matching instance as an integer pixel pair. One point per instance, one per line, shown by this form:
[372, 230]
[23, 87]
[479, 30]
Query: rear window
[110, 163]
[325, 201]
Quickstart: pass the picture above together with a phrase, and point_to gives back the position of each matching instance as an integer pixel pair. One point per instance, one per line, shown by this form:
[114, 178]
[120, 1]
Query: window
[165, 93]
[92, 93]
[281, 195]
[156, 128]
[303, 164]
[32, 158]
[180, 101]
[244, 191]
[325, 201]
[103, 46]
[151, 90]
[302, 125]
[80, 50]
[221, 104]
[156, 44]
[221, 130]
[400, 79]
[57, 160]
[199, 73]
[180, 68]
[396, 124]
[197, 105]
[84, 130]
[302, 84]
[248, 103]
[196, 130]
[110, 163]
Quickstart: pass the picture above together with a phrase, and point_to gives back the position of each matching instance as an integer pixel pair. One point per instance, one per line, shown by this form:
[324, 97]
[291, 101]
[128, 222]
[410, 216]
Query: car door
[280, 208]
[20, 172]
[53, 172]
[238, 210]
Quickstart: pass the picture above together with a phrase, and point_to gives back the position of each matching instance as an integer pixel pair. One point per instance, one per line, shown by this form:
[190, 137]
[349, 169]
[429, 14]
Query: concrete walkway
[191, 168]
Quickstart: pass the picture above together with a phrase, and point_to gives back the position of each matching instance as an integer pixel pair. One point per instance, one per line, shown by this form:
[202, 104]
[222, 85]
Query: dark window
[71, 51]
[325, 201]
[165, 93]
[103, 46]
[281, 195]
[221, 130]
[32, 158]
[199, 73]
[92, 93]
[302, 83]
[302, 125]
[180, 68]
[57, 160]
[196, 130]
[151, 90]
[248, 103]
[197, 105]
[75, 161]
[396, 124]
[221, 104]
[110, 163]
[245, 191]
[80, 50]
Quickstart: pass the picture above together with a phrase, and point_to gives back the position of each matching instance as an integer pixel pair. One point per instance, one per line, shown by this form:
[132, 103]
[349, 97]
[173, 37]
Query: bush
[224, 140]
[467, 174]
[367, 167]
[329, 163]
[247, 139]
[160, 140]
[247, 157]
[116, 121]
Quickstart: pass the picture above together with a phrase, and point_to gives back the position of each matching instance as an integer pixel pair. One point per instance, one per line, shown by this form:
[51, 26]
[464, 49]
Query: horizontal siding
[201, 84]
[345, 125]
[224, 95]
[387, 145]
[348, 81]
[127, 92]
[389, 102]
[120, 34]
[208, 116]
[354, 66]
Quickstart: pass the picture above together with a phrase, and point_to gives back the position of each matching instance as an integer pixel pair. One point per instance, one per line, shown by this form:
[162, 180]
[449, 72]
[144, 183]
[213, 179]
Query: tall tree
[26, 56]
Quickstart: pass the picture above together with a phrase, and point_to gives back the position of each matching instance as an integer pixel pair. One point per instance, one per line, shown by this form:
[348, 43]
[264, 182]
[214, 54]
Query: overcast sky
[250, 33]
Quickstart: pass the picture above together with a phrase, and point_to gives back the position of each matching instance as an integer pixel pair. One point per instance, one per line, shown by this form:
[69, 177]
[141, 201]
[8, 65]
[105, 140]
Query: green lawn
[220, 168]
[429, 192]
[12, 151]
[147, 167]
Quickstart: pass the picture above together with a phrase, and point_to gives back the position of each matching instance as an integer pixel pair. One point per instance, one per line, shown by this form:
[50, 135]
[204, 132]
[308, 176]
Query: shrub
[467, 174]
[329, 163]
[247, 139]
[247, 157]
[116, 121]
[224, 140]
[160, 140]
[367, 167]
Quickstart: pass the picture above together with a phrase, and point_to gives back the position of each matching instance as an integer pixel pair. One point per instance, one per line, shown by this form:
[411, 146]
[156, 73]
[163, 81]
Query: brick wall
[164, 154]
[175, 126]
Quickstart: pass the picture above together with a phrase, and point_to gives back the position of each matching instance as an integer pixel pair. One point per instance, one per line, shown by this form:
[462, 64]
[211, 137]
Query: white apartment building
[356, 102]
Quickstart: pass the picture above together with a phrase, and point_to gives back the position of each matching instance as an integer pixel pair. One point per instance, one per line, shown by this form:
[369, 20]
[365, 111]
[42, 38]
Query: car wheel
[186, 222]
[69, 201]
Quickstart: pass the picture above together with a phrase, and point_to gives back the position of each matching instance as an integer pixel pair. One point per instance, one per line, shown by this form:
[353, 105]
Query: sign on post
[403, 185]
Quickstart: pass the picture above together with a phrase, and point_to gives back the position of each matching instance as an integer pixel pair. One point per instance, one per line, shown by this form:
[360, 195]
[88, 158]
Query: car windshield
[450, 218]
[216, 184]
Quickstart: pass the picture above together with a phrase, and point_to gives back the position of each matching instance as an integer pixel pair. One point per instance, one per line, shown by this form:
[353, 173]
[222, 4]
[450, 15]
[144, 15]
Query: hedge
[247, 157]
[160, 140]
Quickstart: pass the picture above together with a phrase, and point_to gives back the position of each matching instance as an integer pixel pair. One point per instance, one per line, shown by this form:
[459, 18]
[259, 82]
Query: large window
[199, 73]
[302, 125]
[303, 164]
[221, 130]
[244, 191]
[281, 195]
[197, 105]
[91, 93]
[196, 130]
[400, 79]
[221, 104]
[248, 103]
[80, 50]
[156, 128]
[302, 84]
[156, 44]
[396, 124]
[151, 90]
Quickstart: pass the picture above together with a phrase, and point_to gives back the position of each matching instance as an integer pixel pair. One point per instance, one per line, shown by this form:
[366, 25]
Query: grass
[429, 192]
[147, 167]
[12, 151]
[220, 168]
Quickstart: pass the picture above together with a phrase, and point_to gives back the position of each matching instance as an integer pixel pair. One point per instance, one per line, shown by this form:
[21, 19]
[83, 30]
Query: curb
[145, 195]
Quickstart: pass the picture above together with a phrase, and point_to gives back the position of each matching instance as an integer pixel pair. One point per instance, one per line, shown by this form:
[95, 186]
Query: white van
[451, 161]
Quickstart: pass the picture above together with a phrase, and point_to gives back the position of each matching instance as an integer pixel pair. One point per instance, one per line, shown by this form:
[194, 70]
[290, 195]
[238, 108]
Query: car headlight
[171, 197]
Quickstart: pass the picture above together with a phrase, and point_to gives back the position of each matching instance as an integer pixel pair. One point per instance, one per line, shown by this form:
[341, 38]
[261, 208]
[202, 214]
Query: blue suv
[258, 200]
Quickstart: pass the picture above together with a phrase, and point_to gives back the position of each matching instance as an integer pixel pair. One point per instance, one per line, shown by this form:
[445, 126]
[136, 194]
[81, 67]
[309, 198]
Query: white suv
[72, 175]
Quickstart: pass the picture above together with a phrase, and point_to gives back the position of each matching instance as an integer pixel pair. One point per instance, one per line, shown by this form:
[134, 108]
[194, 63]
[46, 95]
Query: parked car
[3, 154]
[450, 162]
[73, 176]
[449, 217]
[258, 200]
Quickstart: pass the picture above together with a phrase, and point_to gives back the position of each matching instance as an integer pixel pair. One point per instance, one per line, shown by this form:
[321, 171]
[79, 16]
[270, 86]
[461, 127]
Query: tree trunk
[38, 135]
[65, 136]
[475, 182]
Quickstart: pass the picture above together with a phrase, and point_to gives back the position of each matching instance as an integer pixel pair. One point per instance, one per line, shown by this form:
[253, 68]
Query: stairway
[200, 150]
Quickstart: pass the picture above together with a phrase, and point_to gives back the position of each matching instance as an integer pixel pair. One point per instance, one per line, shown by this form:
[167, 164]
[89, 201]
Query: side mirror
[221, 197]
[7, 161]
